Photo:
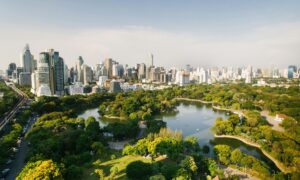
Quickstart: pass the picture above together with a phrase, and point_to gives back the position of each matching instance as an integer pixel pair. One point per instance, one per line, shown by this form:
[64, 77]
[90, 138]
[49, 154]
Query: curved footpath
[279, 165]
[193, 100]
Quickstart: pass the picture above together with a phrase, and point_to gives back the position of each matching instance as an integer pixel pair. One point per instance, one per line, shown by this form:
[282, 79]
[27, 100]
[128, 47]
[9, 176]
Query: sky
[260, 33]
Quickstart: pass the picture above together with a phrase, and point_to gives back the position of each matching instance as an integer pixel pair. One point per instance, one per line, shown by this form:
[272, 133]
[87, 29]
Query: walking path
[271, 120]
[228, 171]
[193, 100]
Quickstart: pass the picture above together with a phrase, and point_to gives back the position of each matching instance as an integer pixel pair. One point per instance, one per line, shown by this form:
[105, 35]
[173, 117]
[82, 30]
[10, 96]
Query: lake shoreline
[193, 100]
[278, 164]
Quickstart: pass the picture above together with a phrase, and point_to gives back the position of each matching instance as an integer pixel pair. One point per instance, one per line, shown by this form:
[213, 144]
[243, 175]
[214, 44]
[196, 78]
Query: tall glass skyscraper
[291, 71]
[26, 59]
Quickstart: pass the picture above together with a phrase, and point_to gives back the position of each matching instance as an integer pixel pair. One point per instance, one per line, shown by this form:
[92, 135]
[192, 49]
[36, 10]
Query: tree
[236, 156]
[157, 177]
[99, 149]
[212, 167]
[100, 173]
[191, 144]
[46, 169]
[138, 170]
[223, 152]
[234, 119]
[189, 164]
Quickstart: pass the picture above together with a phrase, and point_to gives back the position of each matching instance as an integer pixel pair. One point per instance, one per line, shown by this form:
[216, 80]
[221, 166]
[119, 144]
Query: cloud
[269, 45]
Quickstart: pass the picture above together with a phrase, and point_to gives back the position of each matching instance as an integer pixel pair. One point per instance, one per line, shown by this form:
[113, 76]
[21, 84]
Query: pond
[196, 119]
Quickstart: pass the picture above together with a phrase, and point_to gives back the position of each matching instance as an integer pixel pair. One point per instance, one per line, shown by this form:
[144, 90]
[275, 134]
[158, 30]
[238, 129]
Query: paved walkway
[271, 120]
[231, 171]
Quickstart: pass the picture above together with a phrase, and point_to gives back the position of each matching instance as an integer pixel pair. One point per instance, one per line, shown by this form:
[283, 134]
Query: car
[4, 172]
[15, 149]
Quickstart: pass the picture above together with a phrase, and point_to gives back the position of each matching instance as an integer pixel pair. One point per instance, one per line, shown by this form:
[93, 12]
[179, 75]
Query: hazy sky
[200, 33]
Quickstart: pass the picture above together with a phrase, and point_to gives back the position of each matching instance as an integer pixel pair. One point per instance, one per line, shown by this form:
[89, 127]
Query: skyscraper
[291, 71]
[56, 68]
[50, 73]
[87, 74]
[142, 71]
[78, 70]
[152, 60]
[108, 66]
[26, 59]
[11, 68]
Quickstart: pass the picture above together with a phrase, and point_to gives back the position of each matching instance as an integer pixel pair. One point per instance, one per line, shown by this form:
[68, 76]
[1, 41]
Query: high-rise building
[101, 82]
[291, 70]
[50, 73]
[117, 70]
[26, 59]
[11, 68]
[87, 74]
[142, 71]
[56, 73]
[78, 70]
[108, 63]
[248, 75]
[115, 86]
[182, 78]
[25, 79]
[16, 74]
[203, 76]
[152, 60]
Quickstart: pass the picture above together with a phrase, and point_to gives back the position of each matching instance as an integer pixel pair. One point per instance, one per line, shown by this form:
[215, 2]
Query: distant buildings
[11, 68]
[50, 76]
[76, 88]
[108, 63]
[115, 86]
[182, 78]
[26, 59]
[87, 74]
[292, 70]
[25, 79]
[50, 73]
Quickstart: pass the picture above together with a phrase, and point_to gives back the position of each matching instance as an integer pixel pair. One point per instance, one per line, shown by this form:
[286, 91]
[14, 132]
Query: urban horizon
[147, 57]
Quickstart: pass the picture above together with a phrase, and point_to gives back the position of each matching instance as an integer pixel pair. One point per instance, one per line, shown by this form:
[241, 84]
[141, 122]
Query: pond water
[196, 119]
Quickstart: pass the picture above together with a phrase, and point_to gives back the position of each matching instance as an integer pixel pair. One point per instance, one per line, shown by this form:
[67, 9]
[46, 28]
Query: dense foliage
[73, 104]
[7, 142]
[284, 146]
[184, 159]
[72, 144]
[9, 99]
[241, 96]
[228, 156]
[138, 105]
[41, 170]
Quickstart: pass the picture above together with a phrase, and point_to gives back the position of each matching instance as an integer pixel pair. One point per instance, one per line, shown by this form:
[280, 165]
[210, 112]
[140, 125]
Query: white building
[182, 78]
[43, 90]
[76, 88]
[101, 82]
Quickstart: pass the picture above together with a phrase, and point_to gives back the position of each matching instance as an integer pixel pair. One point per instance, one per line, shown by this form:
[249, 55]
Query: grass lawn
[121, 163]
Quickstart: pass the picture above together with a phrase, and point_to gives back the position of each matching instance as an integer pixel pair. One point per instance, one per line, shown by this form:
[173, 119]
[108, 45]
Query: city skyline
[205, 34]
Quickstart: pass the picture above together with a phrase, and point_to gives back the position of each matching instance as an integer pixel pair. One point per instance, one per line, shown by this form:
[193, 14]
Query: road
[23, 100]
[19, 161]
